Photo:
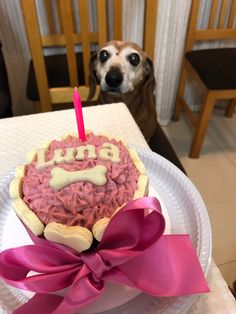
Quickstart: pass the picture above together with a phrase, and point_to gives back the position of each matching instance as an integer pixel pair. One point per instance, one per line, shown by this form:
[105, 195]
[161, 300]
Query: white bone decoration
[60, 178]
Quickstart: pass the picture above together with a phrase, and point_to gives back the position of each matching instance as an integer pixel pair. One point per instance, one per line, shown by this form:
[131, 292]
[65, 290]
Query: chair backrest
[220, 25]
[69, 37]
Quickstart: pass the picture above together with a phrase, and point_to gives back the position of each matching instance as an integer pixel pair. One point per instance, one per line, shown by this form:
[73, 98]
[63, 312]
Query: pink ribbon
[133, 252]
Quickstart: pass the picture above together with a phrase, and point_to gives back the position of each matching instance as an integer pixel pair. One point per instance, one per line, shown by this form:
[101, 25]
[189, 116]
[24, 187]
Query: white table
[19, 135]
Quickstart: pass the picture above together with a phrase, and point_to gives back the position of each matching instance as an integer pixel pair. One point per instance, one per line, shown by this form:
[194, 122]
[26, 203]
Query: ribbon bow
[133, 252]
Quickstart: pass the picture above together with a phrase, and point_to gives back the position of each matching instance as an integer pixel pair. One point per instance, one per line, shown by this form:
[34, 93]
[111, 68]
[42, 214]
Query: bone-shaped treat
[61, 178]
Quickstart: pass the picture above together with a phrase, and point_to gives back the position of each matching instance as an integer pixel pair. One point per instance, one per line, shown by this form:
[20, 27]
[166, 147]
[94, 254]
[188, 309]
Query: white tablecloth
[19, 135]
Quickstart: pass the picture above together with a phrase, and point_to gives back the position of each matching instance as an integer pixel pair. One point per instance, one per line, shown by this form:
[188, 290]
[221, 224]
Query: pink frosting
[80, 203]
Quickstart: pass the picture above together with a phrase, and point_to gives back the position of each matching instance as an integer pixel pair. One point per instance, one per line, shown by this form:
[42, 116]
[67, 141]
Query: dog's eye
[103, 56]
[134, 59]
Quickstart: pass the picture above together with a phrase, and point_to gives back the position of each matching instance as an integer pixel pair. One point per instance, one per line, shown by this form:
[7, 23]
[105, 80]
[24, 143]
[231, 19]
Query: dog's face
[120, 66]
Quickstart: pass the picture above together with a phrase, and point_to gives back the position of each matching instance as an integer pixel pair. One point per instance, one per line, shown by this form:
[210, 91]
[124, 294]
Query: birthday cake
[88, 196]
[70, 189]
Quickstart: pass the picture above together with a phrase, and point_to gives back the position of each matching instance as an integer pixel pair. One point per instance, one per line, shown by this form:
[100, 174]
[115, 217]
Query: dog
[125, 74]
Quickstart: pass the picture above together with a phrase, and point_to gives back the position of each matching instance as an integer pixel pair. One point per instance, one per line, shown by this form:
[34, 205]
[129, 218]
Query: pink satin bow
[133, 252]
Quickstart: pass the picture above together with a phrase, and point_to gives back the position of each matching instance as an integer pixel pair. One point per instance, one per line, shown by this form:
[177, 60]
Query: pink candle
[79, 115]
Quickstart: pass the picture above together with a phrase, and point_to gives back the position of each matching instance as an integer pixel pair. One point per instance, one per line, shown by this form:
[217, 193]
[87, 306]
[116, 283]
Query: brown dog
[125, 74]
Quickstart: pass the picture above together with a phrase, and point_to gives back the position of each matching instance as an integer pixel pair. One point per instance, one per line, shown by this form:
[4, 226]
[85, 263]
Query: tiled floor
[214, 174]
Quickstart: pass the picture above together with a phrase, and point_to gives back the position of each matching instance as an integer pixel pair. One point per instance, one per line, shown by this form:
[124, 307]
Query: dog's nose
[114, 77]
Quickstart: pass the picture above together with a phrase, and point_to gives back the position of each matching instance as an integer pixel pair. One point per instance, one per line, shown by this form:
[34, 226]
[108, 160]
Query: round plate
[187, 214]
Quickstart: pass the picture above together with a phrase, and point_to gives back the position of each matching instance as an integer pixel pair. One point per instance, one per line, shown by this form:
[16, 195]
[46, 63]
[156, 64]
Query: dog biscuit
[137, 161]
[142, 186]
[15, 188]
[66, 135]
[27, 216]
[20, 171]
[46, 144]
[31, 156]
[76, 237]
[99, 228]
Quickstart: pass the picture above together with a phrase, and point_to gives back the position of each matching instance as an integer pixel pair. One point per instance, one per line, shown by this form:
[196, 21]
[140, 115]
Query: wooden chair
[53, 78]
[214, 68]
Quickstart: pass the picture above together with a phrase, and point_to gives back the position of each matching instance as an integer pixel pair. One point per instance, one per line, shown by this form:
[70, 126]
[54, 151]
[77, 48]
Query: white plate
[187, 214]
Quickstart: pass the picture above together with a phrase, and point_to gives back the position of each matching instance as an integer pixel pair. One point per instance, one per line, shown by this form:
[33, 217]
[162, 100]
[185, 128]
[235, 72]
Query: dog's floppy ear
[149, 69]
[92, 76]
[150, 82]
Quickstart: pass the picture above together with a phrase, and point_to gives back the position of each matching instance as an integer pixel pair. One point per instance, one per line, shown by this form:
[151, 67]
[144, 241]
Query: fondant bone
[61, 178]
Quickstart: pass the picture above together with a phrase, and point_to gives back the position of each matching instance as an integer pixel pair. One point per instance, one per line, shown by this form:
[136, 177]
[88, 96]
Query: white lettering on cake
[90, 149]
[41, 162]
[69, 156]
[60, 178]
[107, 152]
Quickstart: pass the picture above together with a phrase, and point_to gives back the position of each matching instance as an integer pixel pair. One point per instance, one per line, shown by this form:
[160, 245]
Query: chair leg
[202, 125]
[37, 106]
[177, 109]
[180, 94]
[230, 108]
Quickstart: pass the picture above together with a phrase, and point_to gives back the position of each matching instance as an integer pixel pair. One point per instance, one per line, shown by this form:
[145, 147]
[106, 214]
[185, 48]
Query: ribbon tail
[85, 289]
[40, 303]
[169, 268]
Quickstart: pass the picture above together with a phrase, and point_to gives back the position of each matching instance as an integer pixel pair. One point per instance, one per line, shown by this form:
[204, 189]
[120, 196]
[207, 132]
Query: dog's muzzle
[114, 78]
